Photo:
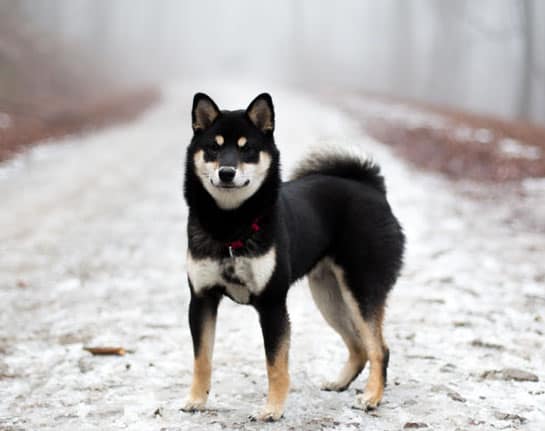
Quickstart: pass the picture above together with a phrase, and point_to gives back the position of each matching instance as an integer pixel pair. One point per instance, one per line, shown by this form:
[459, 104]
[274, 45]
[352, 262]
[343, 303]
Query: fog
[487, 56]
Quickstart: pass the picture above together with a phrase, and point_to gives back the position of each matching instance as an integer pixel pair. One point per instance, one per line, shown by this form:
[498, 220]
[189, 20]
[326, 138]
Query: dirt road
[92, 252]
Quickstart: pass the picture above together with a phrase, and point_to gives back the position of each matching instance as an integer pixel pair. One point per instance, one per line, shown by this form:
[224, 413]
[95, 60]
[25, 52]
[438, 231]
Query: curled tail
[350, 163]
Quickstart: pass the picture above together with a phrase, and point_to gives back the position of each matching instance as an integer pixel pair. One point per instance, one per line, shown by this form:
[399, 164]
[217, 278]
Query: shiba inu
[250, 236]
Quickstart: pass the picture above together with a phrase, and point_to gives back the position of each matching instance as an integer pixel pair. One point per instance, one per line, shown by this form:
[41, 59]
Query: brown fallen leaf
[414, 425]
[119, 351]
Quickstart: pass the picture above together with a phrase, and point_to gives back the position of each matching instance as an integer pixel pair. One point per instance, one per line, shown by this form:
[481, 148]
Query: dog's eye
[213, 147]
[247, 148]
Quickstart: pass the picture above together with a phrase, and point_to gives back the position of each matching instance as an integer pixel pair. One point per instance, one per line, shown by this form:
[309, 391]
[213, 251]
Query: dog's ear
[261, 113]
[204, 112]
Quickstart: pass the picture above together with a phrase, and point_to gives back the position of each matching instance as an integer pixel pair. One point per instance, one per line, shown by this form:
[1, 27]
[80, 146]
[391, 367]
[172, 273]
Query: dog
[251, 236]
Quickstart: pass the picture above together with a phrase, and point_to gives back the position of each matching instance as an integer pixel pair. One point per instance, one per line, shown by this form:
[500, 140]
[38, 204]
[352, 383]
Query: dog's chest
[240, 276]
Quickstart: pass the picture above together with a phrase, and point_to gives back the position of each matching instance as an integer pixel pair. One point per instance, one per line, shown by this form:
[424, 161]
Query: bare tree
[527, 65]
[403, 50]
[447, 55]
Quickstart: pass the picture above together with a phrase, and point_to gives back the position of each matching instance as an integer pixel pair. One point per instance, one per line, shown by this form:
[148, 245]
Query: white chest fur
[241, 276]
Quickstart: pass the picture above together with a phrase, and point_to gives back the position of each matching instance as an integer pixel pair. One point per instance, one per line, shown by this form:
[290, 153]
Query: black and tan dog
[250, 236]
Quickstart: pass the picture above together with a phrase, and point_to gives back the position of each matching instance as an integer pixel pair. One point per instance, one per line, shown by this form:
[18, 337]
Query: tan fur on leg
[372, 336]
[202, 369]
[329, 300]
[372, 340]
[372, 395]
[279, 382]
[356, 361]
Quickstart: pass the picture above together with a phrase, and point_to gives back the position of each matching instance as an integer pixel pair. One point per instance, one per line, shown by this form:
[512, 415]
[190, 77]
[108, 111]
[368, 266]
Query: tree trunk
[527, 41]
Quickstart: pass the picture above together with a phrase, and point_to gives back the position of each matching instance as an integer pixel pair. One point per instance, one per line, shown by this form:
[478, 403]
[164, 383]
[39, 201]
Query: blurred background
[486, 56]
[70, 64]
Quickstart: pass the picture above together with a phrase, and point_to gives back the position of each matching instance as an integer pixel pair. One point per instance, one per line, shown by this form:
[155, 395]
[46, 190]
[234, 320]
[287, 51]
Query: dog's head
[232, 151]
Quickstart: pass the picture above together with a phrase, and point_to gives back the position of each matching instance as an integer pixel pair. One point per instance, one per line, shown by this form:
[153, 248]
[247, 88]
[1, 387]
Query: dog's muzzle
[227, 174]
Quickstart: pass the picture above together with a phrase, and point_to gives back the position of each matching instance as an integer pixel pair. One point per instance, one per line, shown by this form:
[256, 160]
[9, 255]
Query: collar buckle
[235, 245]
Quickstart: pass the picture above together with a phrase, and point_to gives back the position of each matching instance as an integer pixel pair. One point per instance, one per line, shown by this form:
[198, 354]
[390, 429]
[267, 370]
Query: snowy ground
[92, 251]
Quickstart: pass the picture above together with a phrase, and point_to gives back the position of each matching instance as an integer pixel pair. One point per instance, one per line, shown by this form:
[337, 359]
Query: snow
[513, 148]
[396, 112]
[483, 136]
[92, 252]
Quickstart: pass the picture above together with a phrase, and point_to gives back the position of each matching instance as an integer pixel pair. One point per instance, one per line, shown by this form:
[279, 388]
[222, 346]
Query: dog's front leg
[202, 321]
[275, 326]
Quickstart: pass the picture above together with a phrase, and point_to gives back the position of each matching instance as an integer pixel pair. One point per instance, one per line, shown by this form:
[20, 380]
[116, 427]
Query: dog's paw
[367, 401]
[334, 387]
[268, 414]
[193, 405]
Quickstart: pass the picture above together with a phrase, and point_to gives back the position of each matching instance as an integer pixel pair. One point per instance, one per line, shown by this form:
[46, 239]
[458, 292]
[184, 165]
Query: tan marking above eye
[219, 139]
[242, 141]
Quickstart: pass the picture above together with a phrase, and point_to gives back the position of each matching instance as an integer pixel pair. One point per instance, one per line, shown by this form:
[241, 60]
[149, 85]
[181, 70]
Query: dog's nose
[227, 174]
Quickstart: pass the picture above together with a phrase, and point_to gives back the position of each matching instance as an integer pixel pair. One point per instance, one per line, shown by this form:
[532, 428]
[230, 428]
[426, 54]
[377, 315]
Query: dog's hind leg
[369, 329]
[379, 355]
[328, 298]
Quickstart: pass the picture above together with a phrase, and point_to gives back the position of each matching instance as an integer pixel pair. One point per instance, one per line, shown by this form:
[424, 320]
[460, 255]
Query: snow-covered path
[92, 252]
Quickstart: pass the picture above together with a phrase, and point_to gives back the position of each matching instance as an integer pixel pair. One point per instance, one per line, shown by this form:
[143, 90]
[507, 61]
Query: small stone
[456, 396]
[21, 284]
[427, 357]
[510, 417]
[461, 324]
[434, 300]
[85, 365]
[158, 412]
[519, 375]
[446, 280]
[510, 374]
[440, 388]
[447, 368]
[486, 345]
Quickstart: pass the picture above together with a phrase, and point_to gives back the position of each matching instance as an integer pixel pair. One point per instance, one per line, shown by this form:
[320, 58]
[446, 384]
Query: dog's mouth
[228, 186]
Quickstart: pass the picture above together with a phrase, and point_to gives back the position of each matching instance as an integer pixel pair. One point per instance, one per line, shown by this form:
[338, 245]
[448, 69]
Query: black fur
[336, 207]
[385, 363]
[202, 308]
[344, 166]
[210, 227]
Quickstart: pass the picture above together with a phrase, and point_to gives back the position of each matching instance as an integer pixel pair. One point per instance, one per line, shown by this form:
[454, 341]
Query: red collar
[238, 243]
